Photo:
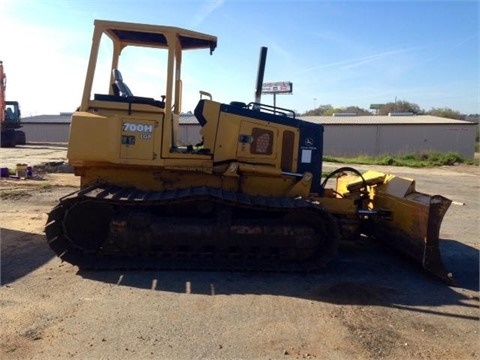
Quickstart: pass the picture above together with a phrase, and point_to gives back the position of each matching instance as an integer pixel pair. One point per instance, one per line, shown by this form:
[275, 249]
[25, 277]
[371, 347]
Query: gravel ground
[370, 303]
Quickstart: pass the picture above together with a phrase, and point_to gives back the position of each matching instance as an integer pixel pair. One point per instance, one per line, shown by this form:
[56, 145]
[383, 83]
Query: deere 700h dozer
[251, 197]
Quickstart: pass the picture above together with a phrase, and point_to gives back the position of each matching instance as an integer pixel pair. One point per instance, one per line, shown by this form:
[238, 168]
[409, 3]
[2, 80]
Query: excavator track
[106, 227]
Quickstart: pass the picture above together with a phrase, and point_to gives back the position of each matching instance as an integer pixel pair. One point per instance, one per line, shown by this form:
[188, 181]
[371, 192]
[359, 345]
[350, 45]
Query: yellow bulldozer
[251, 196]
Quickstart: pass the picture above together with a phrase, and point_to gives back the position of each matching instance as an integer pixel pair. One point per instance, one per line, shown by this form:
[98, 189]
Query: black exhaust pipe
[261, 72]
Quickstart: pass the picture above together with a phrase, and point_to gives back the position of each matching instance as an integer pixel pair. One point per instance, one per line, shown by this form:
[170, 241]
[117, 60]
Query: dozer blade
[414, 226]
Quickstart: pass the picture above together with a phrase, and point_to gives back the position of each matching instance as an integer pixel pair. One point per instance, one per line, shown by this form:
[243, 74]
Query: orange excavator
[9, 116]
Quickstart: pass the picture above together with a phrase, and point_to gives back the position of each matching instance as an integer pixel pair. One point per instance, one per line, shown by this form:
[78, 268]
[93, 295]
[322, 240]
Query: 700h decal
[145, 128]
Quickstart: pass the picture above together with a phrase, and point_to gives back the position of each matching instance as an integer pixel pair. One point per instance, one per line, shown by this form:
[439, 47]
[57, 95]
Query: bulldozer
[9, 117]
[251, 196]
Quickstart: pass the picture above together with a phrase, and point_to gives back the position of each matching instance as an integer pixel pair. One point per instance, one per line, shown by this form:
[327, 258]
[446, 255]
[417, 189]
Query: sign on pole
[281, 87]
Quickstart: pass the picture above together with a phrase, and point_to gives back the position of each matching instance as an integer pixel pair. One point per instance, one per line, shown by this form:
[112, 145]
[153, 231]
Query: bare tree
[329, 110]
[446, 113]
[399, 106]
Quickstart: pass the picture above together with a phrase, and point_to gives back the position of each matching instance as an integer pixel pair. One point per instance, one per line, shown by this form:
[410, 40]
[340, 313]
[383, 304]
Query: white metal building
[379, 135]
[47, 128]
[343, 135]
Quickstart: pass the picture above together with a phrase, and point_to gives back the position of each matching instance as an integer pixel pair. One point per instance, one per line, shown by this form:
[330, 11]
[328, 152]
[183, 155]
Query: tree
[329, 110]
[473, 118]
[357, 110]
[399, 106]
[446, 113]
[321, 110]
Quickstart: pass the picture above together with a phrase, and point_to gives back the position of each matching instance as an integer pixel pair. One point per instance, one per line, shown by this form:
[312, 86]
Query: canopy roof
[155, 35]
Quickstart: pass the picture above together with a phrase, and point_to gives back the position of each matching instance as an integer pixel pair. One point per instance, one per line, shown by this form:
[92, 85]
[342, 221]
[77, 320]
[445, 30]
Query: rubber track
[68, 251]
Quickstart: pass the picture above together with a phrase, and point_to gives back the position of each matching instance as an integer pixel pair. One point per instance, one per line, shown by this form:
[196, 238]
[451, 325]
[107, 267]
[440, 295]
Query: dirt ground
[370, 303]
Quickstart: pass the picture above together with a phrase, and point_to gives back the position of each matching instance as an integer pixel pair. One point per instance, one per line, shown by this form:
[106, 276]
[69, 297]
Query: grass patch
[14, 195]
[418, 160]
[46, 186]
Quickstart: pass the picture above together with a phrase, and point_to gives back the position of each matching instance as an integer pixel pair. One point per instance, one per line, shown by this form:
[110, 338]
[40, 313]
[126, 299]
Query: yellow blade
[414, 228]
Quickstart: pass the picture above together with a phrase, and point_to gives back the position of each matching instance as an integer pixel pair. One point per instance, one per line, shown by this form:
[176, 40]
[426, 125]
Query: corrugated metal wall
[349, 140]
[46, 132]
[374, 139]
[414, 138]
[189, 134]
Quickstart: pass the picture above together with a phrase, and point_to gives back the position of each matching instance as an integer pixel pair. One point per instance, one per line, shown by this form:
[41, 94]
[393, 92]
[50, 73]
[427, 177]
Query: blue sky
[334, 52]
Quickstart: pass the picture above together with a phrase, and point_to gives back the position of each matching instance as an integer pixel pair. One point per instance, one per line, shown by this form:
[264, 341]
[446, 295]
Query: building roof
[382, 120]
[62, 118]
[190, 119]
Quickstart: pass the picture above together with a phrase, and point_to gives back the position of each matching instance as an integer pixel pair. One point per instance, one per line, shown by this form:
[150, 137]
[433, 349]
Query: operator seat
[9, 114]
[119, 87]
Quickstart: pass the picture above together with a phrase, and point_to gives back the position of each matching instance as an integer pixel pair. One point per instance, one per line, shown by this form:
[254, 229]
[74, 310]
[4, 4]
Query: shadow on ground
[21, 253]
[362, 275]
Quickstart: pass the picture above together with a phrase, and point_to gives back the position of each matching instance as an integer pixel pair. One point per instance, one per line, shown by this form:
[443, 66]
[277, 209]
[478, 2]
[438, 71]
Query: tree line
[401, 106]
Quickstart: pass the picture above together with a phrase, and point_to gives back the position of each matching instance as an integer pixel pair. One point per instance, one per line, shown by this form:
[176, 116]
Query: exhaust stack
[260, 73]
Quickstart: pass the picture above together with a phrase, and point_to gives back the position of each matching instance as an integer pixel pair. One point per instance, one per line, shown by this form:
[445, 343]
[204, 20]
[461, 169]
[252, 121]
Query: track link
[107, 227]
